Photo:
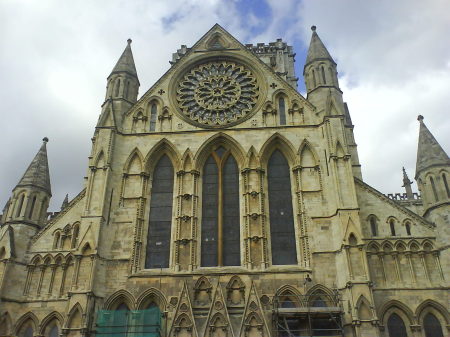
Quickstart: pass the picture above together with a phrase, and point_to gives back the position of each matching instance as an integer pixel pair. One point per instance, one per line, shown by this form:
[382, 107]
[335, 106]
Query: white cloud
[393, 58]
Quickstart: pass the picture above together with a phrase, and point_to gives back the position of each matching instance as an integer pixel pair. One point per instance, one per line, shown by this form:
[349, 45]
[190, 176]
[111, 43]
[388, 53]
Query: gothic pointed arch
[134, 162]
[118, 298]
[215, 141]
[24, 322]
[320, 295]
[75, 316]
[202, 290]
[364, 308]
[431, 306]
[151, 297]
[395, 306]
[49, 322]
[100, 159]
[220, 230]
[278, 142]
[235, 291]
[288, 297]
[162, 147]
[187, 160]
[308, 155]
[252, 158]
[282, 225]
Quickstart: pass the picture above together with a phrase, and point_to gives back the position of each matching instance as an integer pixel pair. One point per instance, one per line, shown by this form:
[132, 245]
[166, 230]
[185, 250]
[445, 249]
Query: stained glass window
[396, 326]
[280, 209]
[158, 242]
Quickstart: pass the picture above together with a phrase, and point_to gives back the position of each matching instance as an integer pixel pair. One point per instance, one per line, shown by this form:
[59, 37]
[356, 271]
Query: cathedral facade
[224, 203]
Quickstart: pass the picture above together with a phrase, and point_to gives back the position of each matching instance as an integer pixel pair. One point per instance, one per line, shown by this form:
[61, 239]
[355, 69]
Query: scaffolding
[129, 323]
[307, 315]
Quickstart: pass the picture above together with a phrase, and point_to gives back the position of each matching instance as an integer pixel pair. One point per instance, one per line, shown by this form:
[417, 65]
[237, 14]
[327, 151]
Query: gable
[374, 203]
[217, 46]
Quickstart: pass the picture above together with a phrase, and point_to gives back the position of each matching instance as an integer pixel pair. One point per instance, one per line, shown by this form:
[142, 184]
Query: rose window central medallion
[217, 93]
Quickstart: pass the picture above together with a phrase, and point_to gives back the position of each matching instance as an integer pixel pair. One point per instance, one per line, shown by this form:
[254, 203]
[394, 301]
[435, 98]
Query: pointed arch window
[392, 227]
[373, 226]
[444, 179]
[153, 112]
[396, 326]
[33, 203]
[282, 109]
[117, 88]
[432, 326]
[220, 211]
[323, 74]
[314, 78]
[20, 205]
[161, 201]
[408, 228]
[433, 187]
[281, 216]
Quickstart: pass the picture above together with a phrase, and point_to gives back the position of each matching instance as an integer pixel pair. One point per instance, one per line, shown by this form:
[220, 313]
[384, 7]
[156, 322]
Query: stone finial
[420, 118]
[313, 28]
[45, 140]
[129, 41]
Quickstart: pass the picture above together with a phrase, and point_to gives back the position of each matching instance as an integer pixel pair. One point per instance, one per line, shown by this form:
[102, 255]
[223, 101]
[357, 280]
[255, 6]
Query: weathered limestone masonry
[230, 205]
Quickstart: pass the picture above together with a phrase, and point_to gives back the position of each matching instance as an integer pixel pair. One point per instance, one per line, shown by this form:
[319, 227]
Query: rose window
[217, 93]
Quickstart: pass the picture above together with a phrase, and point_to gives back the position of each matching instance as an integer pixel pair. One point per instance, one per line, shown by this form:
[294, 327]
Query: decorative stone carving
[217, 93]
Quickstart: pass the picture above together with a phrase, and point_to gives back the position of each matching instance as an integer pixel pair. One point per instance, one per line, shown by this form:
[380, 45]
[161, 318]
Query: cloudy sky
[393, 61]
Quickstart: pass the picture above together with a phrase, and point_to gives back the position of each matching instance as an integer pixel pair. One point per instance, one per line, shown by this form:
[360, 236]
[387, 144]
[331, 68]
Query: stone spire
[407, 185]
[65, 202]
[429, 151]
[37, 174]
[125, 64]
[317, 50]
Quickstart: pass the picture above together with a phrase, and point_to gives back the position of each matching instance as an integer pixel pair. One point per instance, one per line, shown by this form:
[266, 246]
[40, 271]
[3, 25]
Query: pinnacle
[126, 62]
[429, 151]
[317, 50]
[37, 173]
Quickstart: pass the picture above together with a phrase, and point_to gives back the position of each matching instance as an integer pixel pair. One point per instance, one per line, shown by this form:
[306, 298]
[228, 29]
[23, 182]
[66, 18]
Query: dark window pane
[158, 242]
[396, 326]
[231, 217]
[280, 210]
[153, 112]
[209, 213]
[54, 332]
[282, 109]
[432, 326]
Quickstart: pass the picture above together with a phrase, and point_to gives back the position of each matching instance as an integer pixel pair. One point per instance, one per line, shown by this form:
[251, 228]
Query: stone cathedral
[223, 203]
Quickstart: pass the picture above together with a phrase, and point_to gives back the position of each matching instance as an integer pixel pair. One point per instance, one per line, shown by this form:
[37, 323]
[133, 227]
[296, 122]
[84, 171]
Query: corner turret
[31, 196]
[407, 185]
[432, 172]
[320, 69]
[122, 88]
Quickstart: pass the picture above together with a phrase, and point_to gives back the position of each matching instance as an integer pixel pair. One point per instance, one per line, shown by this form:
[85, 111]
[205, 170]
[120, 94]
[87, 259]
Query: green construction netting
[133, 323]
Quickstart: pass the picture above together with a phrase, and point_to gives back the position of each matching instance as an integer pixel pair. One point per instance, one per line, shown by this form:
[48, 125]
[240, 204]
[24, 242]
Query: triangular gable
[234, 44]
[404, 210]
[183, 313]
[218, 317]
[253, 317]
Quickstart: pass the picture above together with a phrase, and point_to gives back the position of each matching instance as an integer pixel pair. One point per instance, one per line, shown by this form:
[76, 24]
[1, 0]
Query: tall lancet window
[158, 240]
[153, 111]
[282, 229]
[220, 211]
[282, 108]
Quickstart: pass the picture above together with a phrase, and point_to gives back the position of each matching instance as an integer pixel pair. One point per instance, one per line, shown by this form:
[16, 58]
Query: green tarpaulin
[133, 323]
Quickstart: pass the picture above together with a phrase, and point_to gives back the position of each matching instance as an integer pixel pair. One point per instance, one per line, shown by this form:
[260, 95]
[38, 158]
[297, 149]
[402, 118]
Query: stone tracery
[217, 93]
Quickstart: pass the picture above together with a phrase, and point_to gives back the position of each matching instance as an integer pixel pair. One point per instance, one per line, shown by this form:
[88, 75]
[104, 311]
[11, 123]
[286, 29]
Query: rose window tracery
[217, 93]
